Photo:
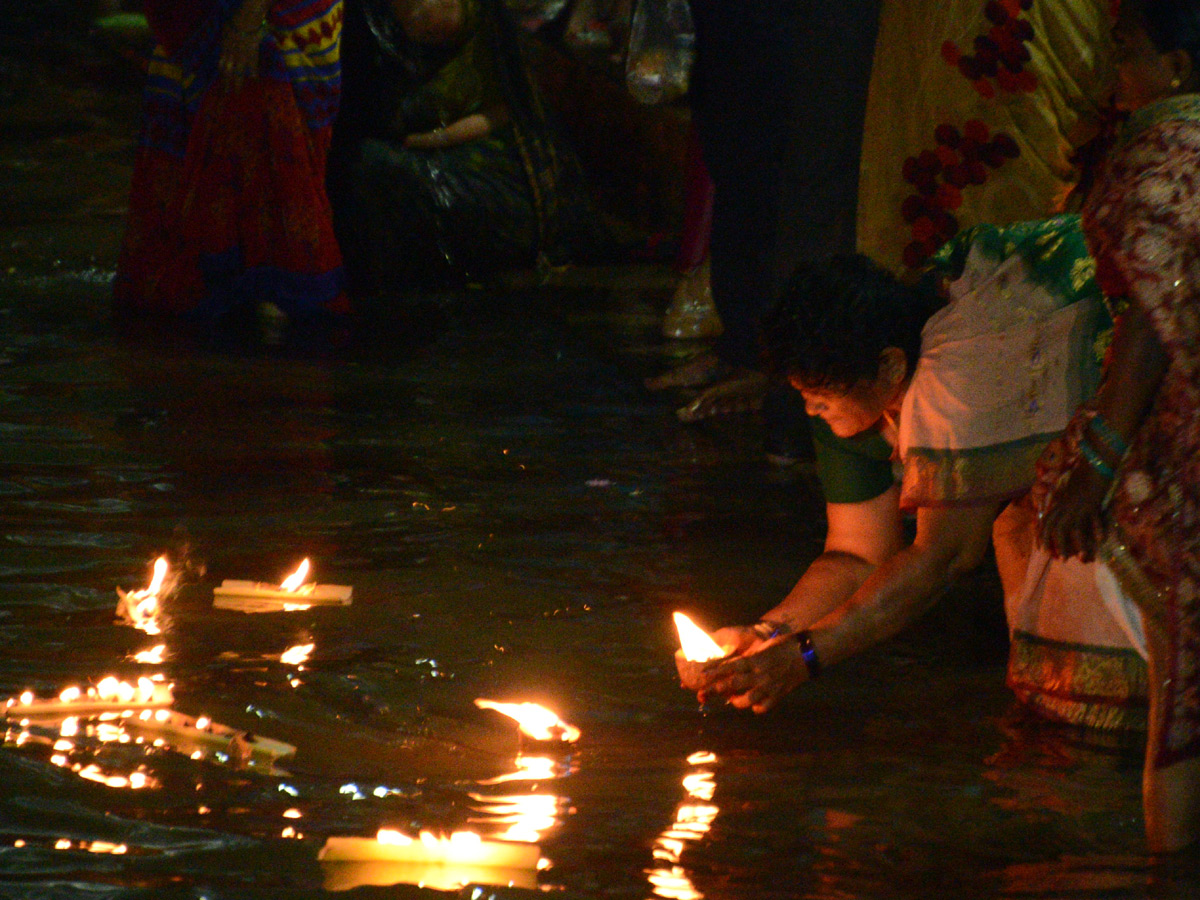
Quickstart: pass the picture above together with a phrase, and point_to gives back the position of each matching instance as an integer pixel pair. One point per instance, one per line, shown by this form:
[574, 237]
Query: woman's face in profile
[1143, 74]
[432, 22]
[847, 411]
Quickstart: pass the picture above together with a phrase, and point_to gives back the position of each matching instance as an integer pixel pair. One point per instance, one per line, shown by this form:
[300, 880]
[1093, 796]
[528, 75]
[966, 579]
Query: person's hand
[1073, 523]
[695, 676]
[759, 677]
[239, 53]
[736, 639]
[1050, 468]
[427, 140]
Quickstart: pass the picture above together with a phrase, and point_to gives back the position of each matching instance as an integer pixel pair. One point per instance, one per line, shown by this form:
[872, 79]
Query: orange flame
[534, 721]
[296, 580]
[140, 608]
[160, 573]
[695, 641]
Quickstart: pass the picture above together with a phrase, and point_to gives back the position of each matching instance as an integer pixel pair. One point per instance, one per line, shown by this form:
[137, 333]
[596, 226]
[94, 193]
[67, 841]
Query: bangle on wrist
[1108, 435]
[808, 652]
[769, 628]
[1093, 459]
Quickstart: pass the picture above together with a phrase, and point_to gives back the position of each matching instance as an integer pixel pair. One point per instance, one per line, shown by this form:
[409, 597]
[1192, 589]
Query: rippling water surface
[517, 519]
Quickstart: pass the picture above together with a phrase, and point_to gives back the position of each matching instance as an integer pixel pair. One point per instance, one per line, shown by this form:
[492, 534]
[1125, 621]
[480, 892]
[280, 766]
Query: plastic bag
[532, 14]
[662, 45]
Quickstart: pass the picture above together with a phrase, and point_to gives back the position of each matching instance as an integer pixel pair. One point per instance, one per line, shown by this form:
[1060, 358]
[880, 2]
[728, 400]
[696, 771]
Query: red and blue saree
[228, 209]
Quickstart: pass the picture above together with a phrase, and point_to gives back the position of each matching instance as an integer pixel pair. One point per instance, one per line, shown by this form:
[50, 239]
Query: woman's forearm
[826, 585]
[462, 131]
[1135, 370]
[861, 537]
[950, 541]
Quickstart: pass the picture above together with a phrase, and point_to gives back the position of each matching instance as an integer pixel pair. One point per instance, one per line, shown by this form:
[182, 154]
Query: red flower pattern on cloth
[960, 159]
[1000, 55]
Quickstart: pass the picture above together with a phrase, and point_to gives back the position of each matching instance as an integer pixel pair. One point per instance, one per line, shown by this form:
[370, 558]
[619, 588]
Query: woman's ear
[1181, 66]
[893, 366]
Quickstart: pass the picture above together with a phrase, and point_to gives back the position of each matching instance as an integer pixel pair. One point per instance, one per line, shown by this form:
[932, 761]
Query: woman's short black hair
[834, 319]
[1171, 24]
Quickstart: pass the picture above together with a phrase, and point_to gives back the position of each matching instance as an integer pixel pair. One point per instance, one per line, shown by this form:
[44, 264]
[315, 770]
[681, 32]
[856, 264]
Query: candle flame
[695, 641]
[160, 573]
[534, 721]
[294, 581]
[140, 608]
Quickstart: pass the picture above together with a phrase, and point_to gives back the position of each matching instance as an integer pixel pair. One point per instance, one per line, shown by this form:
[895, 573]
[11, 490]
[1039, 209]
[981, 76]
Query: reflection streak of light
[528, 816]
[152, 657]
[532, 768]
[297, 655]
[693, 820]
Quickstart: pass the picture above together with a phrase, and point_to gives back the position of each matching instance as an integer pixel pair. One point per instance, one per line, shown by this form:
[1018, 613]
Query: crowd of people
[295, 155]
[879, 230]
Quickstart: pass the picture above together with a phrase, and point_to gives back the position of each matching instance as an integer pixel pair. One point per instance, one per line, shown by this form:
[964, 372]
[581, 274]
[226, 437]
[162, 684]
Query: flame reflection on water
[693, 821]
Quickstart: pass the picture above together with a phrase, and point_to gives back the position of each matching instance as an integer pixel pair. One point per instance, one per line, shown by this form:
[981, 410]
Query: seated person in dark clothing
[445, 166]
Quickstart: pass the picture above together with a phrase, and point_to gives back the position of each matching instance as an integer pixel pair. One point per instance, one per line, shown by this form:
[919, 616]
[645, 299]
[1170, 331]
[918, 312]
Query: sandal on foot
[741, 393]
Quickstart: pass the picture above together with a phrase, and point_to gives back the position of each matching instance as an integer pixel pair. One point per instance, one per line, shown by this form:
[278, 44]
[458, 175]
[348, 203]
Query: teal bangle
[808, 652]
[1093, 459]
[1109, 435]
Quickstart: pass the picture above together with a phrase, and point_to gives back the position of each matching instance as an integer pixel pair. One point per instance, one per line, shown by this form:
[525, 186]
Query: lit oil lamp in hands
[697, 651]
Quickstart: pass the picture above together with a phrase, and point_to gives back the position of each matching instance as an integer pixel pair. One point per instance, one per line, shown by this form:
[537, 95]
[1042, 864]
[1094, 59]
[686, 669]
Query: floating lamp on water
[109, 695]
[198, 738]
[446, 863]
[534, 721]
[141, 608]
[696, 649]
[201, 738]
[292, 594]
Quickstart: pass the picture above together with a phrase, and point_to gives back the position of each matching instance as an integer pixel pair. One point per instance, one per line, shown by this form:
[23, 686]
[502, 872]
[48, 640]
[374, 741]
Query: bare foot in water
[742, 392]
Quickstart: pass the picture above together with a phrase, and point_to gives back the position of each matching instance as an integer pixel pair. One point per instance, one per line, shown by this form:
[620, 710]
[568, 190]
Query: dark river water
[518, 520]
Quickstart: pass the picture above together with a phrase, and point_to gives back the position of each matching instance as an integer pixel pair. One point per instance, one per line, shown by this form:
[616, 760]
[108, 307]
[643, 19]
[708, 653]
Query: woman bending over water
[939, 400]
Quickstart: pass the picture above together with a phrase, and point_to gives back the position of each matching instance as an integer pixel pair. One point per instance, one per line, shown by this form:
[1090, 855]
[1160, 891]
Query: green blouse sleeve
[851, 470]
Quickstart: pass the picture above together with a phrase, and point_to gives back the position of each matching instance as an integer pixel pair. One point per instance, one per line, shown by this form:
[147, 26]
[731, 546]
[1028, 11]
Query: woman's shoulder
[1153, 175]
